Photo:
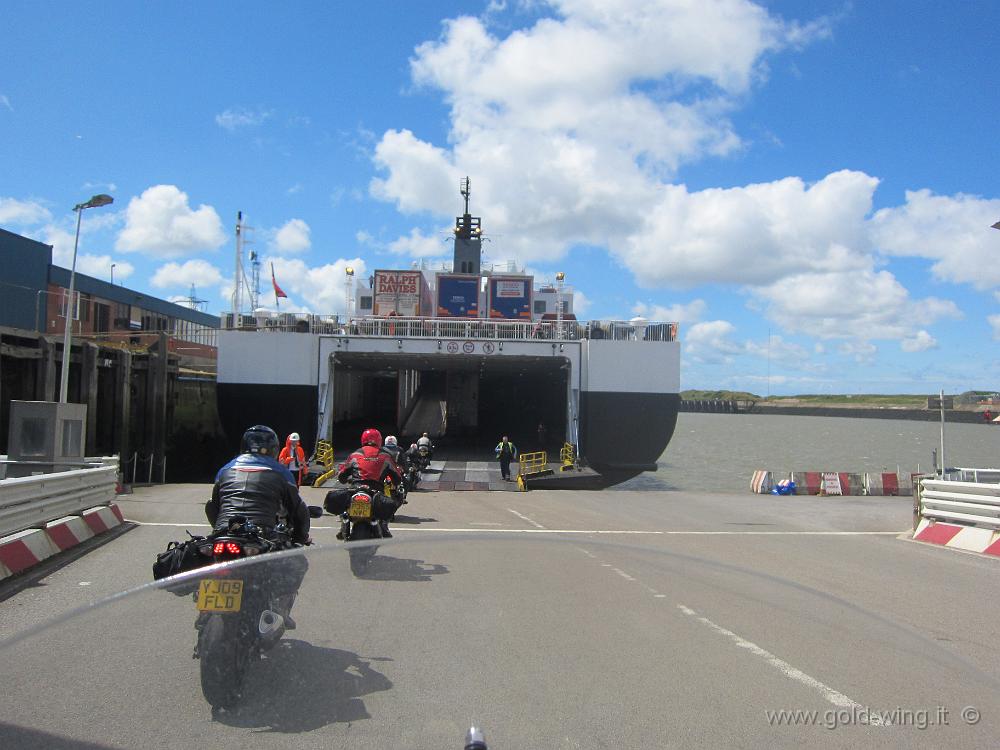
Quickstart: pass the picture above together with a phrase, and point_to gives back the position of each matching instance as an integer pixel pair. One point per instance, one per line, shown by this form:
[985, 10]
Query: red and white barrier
[26, 549]
[969, 538]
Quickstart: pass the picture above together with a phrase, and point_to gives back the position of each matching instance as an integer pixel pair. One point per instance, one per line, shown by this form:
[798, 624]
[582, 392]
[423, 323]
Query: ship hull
[626, 433]
[284, 408]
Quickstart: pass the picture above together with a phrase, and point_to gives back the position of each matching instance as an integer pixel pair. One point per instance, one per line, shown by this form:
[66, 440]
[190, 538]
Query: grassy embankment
[900, 400]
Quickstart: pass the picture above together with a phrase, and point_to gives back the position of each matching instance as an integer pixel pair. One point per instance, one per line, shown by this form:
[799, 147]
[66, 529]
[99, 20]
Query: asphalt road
[601, 619]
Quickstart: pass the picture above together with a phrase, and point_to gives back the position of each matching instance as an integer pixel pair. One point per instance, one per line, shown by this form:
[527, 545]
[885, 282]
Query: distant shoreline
[870, 412]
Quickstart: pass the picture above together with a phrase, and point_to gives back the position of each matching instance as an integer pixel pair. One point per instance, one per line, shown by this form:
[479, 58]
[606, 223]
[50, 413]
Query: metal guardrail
[31, 502]
[473, 328]
[969, 503]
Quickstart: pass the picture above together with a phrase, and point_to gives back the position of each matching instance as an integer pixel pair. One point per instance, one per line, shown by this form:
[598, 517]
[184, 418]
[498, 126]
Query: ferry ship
[465, 354]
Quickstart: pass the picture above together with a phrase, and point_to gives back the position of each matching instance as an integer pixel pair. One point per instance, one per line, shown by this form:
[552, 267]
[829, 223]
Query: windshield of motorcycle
[541, 641]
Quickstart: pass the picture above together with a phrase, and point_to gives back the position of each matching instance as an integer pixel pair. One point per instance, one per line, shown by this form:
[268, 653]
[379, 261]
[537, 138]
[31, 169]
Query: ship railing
[471, 328]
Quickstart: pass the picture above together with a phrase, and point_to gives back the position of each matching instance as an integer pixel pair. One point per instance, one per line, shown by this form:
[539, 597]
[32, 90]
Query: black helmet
[260, 439]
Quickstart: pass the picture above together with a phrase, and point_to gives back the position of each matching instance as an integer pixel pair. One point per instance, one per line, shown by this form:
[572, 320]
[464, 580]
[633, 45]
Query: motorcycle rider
[424, 441]
[371, 465]
[394, 450]
[258, 488]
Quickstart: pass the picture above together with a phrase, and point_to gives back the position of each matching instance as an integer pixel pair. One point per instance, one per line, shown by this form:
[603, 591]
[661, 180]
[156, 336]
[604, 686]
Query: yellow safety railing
[324, 457]
[531, 464]
[568, 457]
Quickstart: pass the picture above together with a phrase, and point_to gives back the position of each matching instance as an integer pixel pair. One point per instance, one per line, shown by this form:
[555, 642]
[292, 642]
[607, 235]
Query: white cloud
[775, 348]
[161, 223]
[581, 303]
[321, 289]
[954, 231]
[858, 304]
[98, 266]
[294, 189]
[863, 352]
[199, 272]
[293, 237]
[711, 342]
[920, 342]
[753, 234]
[6, 102]
[14, 211]
[364, 237]
[994, 321]
[691, 312]
[109, 187]
[573, 147]
[419, 245]
[241, 117]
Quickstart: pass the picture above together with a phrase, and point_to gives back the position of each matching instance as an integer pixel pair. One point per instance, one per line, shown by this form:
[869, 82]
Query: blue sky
[807, 187]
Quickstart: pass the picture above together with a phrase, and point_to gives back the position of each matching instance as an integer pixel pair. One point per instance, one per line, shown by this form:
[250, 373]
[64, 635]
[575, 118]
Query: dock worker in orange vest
[294, 458]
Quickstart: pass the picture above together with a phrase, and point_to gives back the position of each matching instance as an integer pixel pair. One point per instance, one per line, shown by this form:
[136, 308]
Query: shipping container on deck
[510, 297]
[403, 293]
[457, 295]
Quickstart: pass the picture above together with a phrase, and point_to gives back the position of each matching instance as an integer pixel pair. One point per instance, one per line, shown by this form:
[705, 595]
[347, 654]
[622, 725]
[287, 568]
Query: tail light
[227, 548]
[360, 497]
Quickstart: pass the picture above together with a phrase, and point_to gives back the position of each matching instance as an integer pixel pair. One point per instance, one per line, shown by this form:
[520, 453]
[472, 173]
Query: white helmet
[391, 440]
[294, 437]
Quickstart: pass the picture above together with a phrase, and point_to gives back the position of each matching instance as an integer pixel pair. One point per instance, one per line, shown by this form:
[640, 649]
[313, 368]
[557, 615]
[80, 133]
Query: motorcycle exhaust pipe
[270, 622]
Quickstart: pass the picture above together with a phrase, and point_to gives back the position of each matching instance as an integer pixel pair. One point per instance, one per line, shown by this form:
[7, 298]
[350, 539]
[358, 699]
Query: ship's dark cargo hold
[484, 398]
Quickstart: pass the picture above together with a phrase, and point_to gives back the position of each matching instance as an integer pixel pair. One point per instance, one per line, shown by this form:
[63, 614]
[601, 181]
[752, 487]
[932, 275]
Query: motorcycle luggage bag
[338, 501]
[179, 557]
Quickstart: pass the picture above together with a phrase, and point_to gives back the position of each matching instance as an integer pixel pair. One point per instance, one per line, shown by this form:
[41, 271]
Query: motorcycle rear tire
[224, 662]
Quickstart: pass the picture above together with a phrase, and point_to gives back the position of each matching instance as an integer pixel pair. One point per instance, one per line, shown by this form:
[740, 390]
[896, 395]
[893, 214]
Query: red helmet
[371, 436]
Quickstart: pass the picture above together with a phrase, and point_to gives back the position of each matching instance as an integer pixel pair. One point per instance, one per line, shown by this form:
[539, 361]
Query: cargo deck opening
[466, 403]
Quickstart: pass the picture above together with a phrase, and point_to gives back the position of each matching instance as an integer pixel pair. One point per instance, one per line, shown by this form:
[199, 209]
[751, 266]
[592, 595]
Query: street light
[113, 274]
[96, 202]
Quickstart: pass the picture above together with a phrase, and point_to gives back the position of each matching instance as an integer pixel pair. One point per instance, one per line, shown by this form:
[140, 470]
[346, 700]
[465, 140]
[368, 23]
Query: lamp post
[349, 278]
[112, 274]
[96, 202]
[560, 278]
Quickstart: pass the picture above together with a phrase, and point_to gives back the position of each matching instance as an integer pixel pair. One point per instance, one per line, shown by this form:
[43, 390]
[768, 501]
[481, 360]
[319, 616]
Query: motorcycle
[369, 506]
[238, 612]
[424, 455]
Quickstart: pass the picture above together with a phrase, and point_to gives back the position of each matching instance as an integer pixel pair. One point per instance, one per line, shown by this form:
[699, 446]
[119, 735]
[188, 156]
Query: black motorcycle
[424, 455]
[364, 508]
[238, 616]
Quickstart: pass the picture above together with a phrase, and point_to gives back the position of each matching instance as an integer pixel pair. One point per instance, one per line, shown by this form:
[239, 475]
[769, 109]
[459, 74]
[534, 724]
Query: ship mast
[239, 274]
[468, 236]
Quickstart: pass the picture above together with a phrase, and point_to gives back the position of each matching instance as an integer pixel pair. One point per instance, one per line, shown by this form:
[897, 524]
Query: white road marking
[543, 530]
[525, 518]
[833, 696]
[623, 574]
[484, 523]
[659, 596]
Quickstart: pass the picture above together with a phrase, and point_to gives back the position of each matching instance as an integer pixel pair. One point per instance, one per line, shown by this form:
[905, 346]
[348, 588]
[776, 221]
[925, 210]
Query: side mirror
[315, 511]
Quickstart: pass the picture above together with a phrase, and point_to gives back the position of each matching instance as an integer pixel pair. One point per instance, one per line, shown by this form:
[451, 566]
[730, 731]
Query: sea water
[720, 452]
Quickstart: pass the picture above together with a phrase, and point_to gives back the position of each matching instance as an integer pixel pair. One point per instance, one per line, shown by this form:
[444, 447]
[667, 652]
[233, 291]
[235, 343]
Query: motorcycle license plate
[220, 595]
[360, 510]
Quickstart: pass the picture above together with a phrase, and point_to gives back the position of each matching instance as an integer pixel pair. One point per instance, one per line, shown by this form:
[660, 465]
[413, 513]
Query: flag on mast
[277, 289]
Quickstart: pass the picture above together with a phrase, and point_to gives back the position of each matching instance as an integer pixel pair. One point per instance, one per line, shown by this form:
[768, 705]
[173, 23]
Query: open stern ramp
[475, 394]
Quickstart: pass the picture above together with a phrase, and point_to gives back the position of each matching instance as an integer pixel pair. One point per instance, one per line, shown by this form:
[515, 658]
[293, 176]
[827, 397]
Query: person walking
[506, 452]
[294, 458]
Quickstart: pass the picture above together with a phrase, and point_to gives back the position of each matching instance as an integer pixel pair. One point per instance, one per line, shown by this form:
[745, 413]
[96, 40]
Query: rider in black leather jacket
[255, 486]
